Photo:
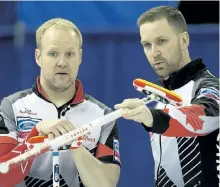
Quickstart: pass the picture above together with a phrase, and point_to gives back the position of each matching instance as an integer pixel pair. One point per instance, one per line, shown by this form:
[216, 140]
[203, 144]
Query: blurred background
[113, 57]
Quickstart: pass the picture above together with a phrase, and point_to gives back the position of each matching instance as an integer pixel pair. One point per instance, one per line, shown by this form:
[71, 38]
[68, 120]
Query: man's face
[59, 58]
[161, 47]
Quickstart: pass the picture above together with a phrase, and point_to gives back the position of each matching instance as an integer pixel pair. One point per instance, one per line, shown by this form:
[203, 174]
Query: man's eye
[53, 53]
[69, 54]
[161, 41]
[147, 45]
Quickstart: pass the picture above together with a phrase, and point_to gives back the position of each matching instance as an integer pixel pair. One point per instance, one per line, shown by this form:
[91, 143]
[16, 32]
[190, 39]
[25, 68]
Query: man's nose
[62, 61]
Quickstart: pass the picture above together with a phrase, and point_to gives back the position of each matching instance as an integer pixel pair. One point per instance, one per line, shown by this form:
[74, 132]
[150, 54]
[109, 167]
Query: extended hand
[135, 109]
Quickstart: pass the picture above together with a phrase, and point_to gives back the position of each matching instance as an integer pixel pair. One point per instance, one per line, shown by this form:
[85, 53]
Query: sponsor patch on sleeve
[211, 92]
[24, 126]
[116, 150]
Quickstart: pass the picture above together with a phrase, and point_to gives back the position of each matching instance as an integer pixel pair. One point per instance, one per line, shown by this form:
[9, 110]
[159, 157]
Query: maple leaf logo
[192, 116]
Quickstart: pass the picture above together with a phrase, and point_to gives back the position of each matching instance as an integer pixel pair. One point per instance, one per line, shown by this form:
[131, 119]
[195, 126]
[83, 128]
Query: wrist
[148, 123]
[38, 128]
[148, 119]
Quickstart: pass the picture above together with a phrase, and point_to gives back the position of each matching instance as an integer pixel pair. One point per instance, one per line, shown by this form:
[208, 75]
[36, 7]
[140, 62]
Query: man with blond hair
[54, 106]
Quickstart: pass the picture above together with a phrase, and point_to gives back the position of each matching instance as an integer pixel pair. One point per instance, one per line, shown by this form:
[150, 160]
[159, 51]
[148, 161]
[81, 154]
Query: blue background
[113, 57]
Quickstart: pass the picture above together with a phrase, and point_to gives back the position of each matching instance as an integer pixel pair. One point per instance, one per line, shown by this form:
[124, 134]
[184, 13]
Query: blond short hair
[56, 22]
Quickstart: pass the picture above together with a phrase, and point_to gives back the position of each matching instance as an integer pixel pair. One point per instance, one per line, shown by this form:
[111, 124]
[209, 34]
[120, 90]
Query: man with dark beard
[183, 138]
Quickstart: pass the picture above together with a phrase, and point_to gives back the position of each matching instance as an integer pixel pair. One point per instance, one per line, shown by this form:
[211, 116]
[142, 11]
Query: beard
[169, 65]
[58, 86]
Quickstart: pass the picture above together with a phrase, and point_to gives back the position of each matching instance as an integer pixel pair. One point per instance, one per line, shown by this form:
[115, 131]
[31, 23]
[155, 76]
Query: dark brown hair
[171, 14]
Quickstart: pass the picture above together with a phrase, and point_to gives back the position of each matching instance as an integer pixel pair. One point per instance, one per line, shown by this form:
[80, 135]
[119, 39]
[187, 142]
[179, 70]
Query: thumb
[41, 134]
[51, 136]
[125, 112]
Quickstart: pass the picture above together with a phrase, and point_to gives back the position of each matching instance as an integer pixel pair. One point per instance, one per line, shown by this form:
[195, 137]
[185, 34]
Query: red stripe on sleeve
[103, 150]
[177, 129]
[192, 118]
[17, 173]
[8, 139]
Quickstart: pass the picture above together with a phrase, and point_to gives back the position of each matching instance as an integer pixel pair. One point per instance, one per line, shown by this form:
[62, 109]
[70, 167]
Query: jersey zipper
[158, 169]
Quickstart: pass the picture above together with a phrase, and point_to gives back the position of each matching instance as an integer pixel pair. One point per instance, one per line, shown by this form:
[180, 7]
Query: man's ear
[38, 57]
[185, 40]
[80, 56]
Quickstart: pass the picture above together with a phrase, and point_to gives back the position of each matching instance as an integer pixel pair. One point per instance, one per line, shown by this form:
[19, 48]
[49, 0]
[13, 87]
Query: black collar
[184, 75]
